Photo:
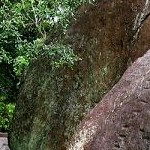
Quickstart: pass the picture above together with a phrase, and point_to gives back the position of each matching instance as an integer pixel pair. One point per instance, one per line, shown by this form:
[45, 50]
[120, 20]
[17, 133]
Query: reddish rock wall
[121, 121]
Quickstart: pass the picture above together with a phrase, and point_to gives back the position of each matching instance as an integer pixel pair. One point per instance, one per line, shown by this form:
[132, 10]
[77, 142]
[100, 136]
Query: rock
[51, 103]
[121, 121]
[4, 141]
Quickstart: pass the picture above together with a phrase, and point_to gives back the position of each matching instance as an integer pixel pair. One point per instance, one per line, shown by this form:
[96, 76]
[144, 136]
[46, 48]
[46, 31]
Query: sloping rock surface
[107, 36]
[121, 121]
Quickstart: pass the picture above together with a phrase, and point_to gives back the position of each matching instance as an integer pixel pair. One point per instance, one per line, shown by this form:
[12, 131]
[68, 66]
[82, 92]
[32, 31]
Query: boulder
[52, 102]
[121, 121]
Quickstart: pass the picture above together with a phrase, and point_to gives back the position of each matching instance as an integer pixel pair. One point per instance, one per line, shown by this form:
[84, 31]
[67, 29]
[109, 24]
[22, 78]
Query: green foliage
[23, 22]
[61, 55]
[6, 113]
[20, 63]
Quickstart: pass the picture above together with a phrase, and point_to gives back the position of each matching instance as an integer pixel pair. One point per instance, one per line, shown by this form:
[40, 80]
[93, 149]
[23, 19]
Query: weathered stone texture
[121, 121]
[52, 102]
[4, 141]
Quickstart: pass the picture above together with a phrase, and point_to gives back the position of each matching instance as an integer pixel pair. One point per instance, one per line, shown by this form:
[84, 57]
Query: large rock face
[121, 121]
[107, 35]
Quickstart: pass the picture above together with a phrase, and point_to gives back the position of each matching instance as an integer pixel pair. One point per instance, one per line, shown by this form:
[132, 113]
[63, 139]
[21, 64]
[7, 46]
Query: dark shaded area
[8, 82]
